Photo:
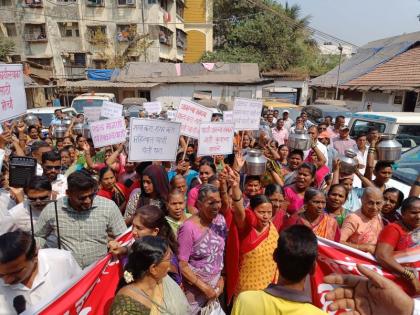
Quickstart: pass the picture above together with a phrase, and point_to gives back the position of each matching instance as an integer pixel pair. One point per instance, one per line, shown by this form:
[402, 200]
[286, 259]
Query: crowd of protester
[206, 236]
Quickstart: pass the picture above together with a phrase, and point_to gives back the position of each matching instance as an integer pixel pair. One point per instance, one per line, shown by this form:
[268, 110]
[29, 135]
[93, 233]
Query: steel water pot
[78, 129]
[59, 132]
[66, 121]
[86, 131]
[31, 120]
[348, 163]
[299, 140]
[255, 162]
[388, 149]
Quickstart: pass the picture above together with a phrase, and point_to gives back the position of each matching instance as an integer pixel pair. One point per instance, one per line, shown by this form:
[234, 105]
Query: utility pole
[340, 48]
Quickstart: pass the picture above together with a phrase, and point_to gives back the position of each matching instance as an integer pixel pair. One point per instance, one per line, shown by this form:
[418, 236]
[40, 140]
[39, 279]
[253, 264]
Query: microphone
[19, 304]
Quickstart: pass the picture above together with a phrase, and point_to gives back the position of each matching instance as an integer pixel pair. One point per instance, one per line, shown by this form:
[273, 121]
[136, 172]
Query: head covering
[324, 135]
[285, 111]
[344, 127]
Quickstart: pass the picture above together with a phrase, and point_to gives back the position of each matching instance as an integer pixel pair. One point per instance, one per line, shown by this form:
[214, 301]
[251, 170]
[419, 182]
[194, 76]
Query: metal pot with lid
[86, 131]
[66, 121]
[31, 120]
[299, 140]
[59, 132]
[388, 149]
[348, 162]
[78, 129]
[255, 162]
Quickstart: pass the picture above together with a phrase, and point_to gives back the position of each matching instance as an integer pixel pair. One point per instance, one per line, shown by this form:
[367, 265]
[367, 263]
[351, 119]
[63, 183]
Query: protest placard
[92, 113]
[215, 139]
[12, 92]
[153, 140]
[228, 116]
[247, 113]
[111, 110]
[171, 114]
[108, 132]
[191, 115]
[153, 107]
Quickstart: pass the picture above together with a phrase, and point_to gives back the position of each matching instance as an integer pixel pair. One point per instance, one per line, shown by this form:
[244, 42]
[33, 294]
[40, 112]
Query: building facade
[70, 36]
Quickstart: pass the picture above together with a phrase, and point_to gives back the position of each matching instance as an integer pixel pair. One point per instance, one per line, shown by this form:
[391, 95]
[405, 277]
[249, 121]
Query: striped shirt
[84, 233]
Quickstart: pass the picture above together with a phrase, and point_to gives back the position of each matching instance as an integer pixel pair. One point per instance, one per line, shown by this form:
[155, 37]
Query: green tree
[7, 47]
[266, 33]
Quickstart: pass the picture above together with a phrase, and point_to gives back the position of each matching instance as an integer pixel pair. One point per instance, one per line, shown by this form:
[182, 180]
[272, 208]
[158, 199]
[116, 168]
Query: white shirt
[60, 186]
[55, 267]
[39, 170]
[288, 123]
[22, 217]
[6, 221]
[362, 158]
[6, 203]
[416, 310]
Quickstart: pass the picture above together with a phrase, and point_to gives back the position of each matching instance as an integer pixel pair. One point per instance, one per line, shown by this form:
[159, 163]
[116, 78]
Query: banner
[153, 107]
[92, 113]
[111, 110]
[228, 116]
[247, 113]
[12, 92]
[191, 115]
[108, 132]
[171, 114]
[215, 139]
[153, 140]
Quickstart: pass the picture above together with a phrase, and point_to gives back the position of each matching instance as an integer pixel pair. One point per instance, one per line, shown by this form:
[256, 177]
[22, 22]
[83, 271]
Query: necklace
[162, 309]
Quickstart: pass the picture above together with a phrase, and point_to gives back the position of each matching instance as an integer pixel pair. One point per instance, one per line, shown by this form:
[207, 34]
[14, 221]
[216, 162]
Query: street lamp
[340, 48]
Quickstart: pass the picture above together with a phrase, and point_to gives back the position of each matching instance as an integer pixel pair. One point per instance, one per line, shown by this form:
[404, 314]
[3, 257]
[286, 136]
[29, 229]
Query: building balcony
[95, 3]
[34, 3]
[75, 72]
[41, 38]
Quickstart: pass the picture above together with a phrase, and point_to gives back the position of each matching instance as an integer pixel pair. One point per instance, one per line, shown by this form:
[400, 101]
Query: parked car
[91, 100]
[317, 113]
[405, 125]
[47, 113]
[406, 170]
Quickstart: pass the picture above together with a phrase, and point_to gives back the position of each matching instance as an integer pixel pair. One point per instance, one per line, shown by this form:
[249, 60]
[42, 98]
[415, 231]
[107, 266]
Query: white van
[405, 125]
[91, 100]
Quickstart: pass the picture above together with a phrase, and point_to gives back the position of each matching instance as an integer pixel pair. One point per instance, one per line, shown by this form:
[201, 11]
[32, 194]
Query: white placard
[111, 110]
[191, 115]
[171, 114]
[247, 113]
[108, 132]
[228, 116]
[216, 139]
[92, 113]
[12, 92]
[153, 140]
[153, 107]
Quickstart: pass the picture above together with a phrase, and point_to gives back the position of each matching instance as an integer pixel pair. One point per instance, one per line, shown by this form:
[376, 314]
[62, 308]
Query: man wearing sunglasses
[85, 221]
[51, 165]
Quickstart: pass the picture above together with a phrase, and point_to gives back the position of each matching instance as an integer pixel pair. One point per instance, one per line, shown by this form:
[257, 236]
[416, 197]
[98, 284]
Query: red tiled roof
[401, 72]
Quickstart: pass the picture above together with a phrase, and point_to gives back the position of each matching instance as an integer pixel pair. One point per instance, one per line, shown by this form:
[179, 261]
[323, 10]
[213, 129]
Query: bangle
[417, 183]
[408, 274]
[237, 200]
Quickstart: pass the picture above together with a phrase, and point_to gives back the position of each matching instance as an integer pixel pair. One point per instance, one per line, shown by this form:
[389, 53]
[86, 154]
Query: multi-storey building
[71, 35]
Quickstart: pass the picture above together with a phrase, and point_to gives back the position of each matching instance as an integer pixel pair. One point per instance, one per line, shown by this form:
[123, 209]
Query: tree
[7, 47]
[266, 33]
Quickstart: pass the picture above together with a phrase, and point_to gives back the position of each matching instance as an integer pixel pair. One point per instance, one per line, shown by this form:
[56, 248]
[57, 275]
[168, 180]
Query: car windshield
[408, 167]
[45, 118]
[79, 104]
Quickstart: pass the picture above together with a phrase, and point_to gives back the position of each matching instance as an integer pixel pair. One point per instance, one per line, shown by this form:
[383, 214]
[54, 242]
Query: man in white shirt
[313, 132]
[51, 164]
[288, 122]
[29, 276]
[38, 191]
[361, 149]
[280, 134]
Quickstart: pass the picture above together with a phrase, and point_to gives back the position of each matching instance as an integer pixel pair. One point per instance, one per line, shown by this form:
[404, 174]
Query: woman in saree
[393, 199]
[336, 197]
[275, 193]
[201, 249]
[251, 262]
[110, 189]
[146, 287]
[314, 216]
[399, 236]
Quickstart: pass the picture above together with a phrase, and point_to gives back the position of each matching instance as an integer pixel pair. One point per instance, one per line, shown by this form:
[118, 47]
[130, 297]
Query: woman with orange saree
[315, 217]
[249, 252]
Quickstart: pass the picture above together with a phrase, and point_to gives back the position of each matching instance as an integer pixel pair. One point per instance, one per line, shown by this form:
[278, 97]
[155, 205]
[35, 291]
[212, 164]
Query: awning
[106, 84]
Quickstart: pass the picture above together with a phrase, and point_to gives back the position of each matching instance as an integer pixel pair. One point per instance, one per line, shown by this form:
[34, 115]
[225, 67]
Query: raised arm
[321, 160]
[237, 199]
[370, 162]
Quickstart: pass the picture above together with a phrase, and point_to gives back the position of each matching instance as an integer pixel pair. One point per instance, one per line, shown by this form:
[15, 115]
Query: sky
[361, 21]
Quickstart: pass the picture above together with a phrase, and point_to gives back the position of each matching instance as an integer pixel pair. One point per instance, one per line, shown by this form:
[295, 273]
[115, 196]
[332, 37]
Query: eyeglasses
[39, 198]
[52, 167]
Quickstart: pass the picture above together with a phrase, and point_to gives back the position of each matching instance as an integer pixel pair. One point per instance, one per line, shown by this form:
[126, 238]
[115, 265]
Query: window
[66, 1]
[180, 8]
[127, 2]
[408, 135]
[33, 3]
[80, 59]
[99, 64]
[363, 126]
[202, 95]
[95, 3]
[164, 4]
[398, 98]
[408, 167]
[126, 32]
[152, 1]
[5, 3]
[97, 35]
[144, 94]
[11, 29]
[35, 32]
[69, 29]
[181, 39]
[16, 58]
[165, 36]
[41, 61]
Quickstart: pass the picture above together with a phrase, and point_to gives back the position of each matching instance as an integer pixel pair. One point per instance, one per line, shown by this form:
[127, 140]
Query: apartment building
[71, 35]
